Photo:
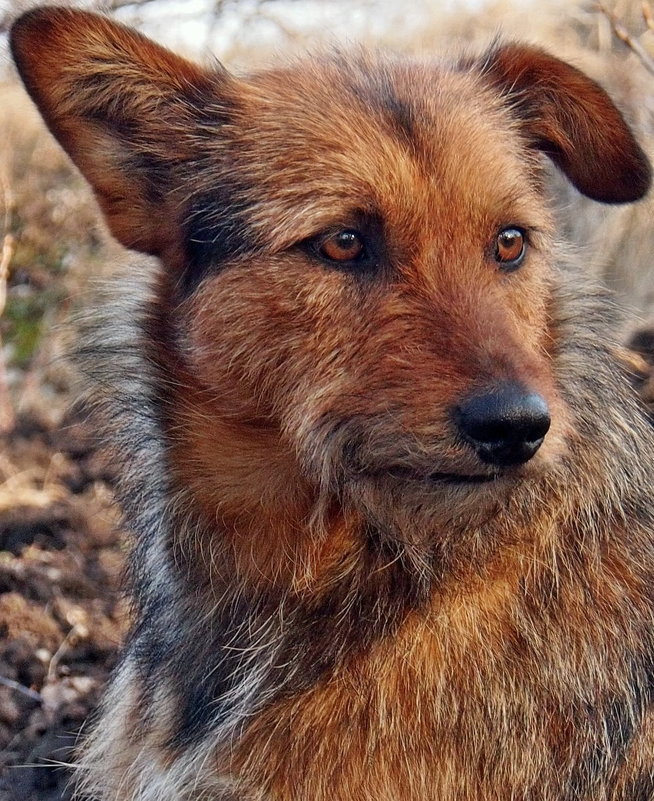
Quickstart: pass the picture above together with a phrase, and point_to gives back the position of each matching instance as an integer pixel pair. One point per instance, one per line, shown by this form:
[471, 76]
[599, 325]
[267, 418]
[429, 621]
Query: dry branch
[624, 36]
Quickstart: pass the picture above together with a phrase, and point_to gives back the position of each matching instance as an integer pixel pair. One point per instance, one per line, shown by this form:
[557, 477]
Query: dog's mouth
[408, 474]
[457, 478]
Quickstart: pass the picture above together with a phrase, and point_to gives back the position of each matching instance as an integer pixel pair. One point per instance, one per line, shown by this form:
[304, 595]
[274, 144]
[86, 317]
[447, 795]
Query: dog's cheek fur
[388, 357]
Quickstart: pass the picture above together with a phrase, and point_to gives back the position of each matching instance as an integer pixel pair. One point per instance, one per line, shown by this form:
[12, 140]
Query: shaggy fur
[334, 597]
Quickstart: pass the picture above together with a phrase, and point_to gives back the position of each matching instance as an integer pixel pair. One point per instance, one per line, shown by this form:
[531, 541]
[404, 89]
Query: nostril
[505, 425]
[487, 420]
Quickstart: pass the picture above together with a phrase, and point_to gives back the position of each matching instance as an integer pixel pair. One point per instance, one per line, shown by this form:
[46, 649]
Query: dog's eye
[343, 246]
[510, 248]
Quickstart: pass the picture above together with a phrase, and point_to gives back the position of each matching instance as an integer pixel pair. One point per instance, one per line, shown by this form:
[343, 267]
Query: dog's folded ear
[571, 119]
[121, 106]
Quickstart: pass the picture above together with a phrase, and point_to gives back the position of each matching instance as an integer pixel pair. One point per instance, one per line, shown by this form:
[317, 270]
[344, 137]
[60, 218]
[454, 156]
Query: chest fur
[544, 703]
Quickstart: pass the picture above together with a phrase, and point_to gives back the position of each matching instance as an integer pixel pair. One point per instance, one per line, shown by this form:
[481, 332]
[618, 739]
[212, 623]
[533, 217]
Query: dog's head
[358, 252]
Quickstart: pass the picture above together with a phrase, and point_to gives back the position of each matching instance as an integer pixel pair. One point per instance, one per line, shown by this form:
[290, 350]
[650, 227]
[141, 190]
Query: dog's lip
[436, 477]
[461, 478]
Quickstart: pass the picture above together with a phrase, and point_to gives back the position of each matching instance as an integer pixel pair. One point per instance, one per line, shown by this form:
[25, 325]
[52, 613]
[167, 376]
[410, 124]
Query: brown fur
[323, 610]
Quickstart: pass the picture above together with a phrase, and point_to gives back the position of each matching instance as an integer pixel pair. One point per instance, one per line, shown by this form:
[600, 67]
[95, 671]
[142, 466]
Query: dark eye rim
[512, 264]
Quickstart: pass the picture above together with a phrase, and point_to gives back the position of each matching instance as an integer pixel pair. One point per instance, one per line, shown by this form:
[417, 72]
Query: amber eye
[510, 247]
[342, 246]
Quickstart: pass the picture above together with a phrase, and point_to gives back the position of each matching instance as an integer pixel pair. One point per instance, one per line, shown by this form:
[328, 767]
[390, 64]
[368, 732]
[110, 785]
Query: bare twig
[648, 14]
[79, 630]
[7, 419]
[624, 36]
[113, 5]
[276, 21]
[6, 253]
[20, 688]
[56, 658]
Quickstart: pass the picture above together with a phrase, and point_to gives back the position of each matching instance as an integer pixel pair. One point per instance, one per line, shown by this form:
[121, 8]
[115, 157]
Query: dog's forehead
[403, 138]
[399, 105]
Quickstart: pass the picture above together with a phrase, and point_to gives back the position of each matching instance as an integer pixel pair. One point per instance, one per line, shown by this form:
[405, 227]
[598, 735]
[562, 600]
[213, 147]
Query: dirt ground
[61, 551]
[61, 616]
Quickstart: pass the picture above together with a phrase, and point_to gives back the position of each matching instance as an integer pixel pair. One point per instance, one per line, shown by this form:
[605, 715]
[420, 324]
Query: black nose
[505, 426]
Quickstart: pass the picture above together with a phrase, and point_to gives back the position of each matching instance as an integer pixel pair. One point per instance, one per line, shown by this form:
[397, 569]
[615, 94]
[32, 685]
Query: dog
[389, 486]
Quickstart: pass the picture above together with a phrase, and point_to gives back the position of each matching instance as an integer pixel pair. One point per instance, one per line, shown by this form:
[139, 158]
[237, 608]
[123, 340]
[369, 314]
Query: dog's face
[359, 250]
[395, 270]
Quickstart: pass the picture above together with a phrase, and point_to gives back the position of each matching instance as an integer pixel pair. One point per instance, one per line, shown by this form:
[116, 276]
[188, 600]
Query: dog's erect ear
[120, 106]
[571, 119]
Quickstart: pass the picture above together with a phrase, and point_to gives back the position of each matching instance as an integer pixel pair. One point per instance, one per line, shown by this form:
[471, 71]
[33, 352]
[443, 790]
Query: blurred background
[61, 548]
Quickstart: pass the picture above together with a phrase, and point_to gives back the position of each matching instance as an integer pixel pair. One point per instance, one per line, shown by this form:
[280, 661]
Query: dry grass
[52, 224]
[55, 243]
